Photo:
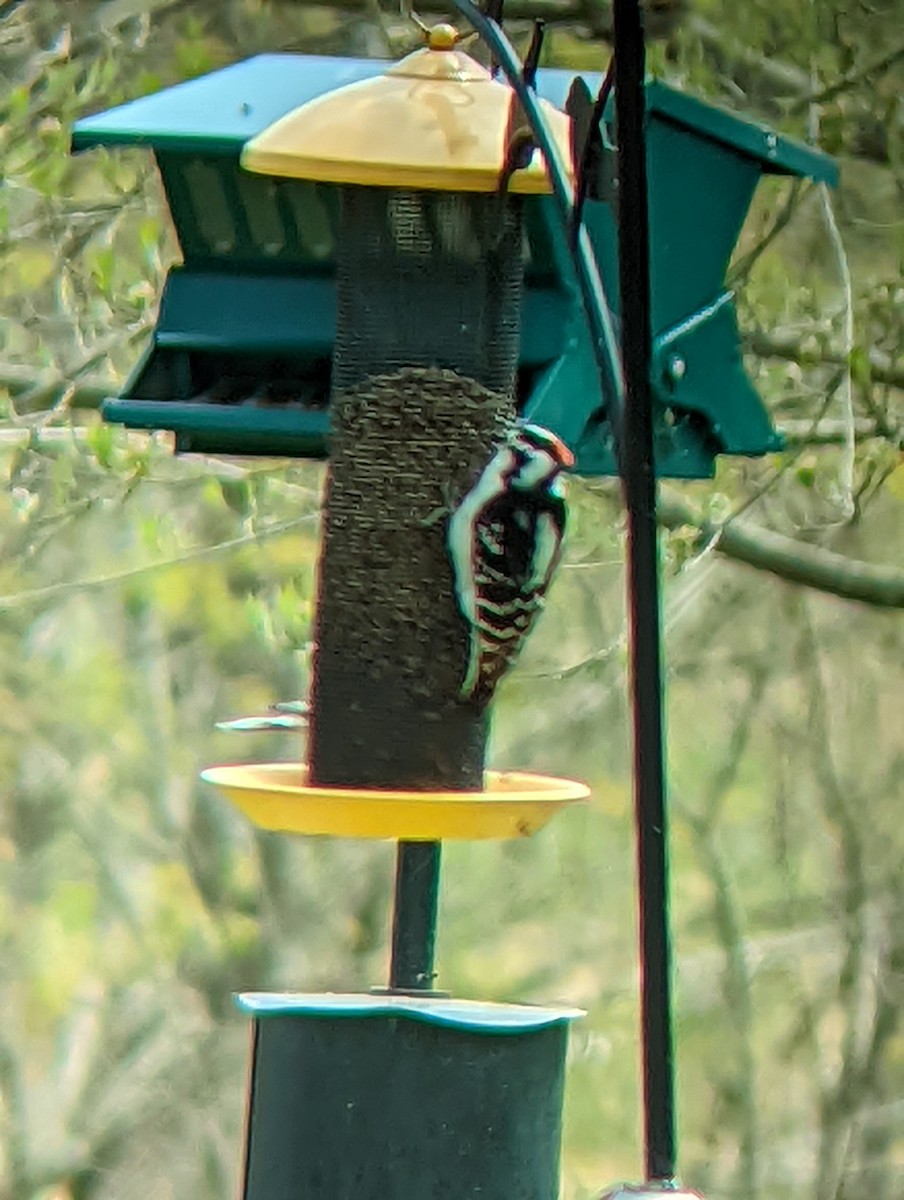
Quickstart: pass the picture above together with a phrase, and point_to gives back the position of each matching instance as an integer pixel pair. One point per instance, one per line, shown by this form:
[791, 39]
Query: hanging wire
[846, 390]
[849, 452]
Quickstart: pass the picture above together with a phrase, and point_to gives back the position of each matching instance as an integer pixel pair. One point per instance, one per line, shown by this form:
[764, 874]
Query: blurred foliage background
[144, 597]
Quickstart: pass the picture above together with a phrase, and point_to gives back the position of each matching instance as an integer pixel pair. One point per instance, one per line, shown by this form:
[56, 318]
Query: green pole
[414, 916]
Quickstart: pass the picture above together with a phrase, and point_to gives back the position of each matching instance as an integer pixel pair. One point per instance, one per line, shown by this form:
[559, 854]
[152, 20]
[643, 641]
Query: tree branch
[792, 348]
[48, 388]
[834, 432]
[789, 559]
[868, 71]
[98, 582]
[792, 560]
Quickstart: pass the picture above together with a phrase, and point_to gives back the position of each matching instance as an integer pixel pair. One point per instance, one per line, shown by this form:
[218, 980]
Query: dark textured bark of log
[391, 645]
[428, 319]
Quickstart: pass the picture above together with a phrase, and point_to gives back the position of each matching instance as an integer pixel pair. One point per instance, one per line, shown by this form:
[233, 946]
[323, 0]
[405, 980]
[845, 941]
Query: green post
[388, 1099]
[428, 319]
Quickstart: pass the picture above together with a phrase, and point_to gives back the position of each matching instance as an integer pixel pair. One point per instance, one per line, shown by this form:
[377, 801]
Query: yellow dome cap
[435, 120]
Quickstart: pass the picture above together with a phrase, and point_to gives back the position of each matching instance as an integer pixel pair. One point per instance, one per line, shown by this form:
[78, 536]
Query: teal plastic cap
[478, 1016]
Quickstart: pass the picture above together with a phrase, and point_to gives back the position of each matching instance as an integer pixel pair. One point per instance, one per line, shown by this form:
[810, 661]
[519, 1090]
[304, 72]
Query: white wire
[846, 391]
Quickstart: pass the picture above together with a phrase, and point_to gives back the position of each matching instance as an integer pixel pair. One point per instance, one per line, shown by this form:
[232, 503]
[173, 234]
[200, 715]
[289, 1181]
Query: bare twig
[797, 193]
[867, 72]
[795, 348]
[835, 432]
[22, 381]
[729, 927]
[114, 578]
[839, 1101]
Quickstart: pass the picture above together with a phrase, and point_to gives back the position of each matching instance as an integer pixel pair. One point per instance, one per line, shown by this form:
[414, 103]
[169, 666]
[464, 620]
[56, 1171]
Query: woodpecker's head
[539, 456]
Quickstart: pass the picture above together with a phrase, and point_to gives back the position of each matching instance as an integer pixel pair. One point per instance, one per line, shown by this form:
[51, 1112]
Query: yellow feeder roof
[436, 120]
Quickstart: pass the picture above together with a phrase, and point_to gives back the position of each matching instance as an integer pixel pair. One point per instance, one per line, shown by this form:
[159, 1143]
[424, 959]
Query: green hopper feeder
[242, 354]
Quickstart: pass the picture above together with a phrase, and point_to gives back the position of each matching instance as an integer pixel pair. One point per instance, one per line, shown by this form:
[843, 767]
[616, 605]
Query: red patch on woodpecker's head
[545, 439]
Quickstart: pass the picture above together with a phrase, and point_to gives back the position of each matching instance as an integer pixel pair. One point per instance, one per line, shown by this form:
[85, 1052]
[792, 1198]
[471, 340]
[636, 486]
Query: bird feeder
[407, 1091]
[429, 281]
[245, 342]
[374, 272]
[703, 168]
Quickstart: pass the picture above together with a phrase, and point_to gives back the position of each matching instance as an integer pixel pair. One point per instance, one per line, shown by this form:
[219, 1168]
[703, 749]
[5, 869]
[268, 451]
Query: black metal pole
[631, 414]
[639, 484]
[414, 916]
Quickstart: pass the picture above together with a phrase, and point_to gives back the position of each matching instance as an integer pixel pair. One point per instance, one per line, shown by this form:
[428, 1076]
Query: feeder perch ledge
[277, 796]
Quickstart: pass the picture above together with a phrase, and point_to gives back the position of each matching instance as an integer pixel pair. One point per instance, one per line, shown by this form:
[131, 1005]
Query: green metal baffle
[394, 1097]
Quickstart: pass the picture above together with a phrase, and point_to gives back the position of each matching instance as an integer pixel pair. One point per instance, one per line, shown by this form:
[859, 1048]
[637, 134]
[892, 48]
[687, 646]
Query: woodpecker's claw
[287, 716]
[297, 708]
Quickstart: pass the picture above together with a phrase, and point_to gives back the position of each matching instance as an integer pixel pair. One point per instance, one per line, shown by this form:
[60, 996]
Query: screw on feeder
[676, 368]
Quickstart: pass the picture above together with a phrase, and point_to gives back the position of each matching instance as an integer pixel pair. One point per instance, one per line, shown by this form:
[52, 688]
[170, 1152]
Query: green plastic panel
[229, 218]
[774, 153]
[282, 314]
[217, 113]
[296, 315]
[231, 349]
[213, 429]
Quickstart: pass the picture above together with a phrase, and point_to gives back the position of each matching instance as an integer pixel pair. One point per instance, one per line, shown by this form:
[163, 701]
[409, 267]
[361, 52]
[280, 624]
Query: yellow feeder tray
[435, 120]
[277, 796]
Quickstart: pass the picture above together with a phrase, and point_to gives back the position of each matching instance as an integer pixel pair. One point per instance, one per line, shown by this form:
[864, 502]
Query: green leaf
[101, 440]
[895, 482]
[806, 476]
[237, 495]
[861, 370]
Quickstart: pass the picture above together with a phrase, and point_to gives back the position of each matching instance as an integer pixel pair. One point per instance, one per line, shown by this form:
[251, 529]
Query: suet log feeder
[429, 284]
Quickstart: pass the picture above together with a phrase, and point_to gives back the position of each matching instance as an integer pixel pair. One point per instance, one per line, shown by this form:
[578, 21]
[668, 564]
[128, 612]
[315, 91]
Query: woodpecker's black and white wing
[505, 542]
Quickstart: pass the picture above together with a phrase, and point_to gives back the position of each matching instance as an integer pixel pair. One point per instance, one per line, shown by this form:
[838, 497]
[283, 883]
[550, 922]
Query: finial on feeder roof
[435, 120]
[443, 37]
